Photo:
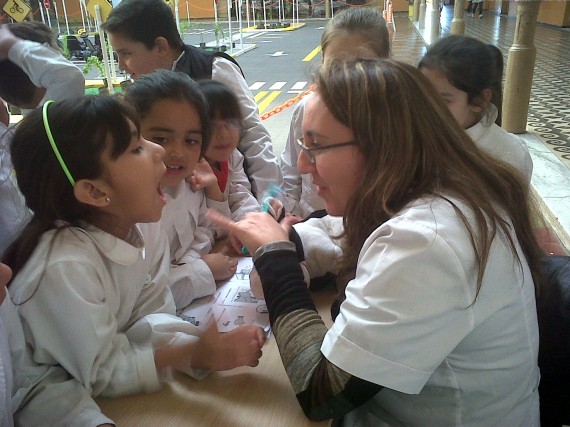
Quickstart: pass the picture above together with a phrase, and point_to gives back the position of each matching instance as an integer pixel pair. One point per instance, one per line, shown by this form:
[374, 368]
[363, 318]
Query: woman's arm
[323, 390]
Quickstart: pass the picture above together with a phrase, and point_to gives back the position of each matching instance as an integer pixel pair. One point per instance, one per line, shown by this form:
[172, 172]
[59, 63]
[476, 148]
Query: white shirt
[410, 322]
[99, 306]
[37, 394]
[48, 68]
[255, 144]
[13, 211]
[501, 144]
[190, 237]
[301, 196]
[239, 200]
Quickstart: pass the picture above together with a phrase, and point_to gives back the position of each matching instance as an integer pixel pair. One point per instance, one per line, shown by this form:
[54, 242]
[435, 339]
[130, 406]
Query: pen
[272, 191]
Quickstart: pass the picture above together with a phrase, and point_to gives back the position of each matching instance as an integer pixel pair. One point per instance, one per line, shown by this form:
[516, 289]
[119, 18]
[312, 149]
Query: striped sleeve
[323, 390]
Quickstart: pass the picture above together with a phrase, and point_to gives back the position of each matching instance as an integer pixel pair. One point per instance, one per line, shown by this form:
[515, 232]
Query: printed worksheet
[232, 305]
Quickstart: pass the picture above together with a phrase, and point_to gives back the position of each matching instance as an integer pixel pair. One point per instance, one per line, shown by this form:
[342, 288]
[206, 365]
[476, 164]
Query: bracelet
[281, 245]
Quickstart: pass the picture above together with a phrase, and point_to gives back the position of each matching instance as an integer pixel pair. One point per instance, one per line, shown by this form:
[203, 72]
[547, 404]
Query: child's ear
[162, 45]
[91, 193]
[481, 101]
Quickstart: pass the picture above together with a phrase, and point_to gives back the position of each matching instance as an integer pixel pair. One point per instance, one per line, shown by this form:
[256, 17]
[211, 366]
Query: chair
[553, 307]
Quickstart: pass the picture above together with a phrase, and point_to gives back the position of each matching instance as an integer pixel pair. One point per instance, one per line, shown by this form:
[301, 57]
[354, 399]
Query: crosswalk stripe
[260, 95]
[256, 85]
[265, 103]
[277, 85]
[299, 85]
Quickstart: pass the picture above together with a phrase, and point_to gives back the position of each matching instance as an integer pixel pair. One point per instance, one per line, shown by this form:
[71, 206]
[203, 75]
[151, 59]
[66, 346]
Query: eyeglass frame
[311, 153]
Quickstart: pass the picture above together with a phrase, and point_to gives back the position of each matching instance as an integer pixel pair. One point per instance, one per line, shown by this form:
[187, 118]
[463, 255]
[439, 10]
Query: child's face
[132, 183]
[134, 57]
[225, 139]
[176, 126]
[5, 275]
[456, 100]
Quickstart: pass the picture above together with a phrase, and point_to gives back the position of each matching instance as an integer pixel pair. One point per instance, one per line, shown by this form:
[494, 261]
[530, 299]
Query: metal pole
[253, 6]
[247, 11]
[187, 11]
[65, 15]
[104, 49]
[40, 5]
[240, 5]
[230, 23]
[81, 12]
[264, 16]
[435, 18]
[177, 14]
[56, 17]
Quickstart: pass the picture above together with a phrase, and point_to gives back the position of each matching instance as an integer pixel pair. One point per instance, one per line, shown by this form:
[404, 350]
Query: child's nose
[159, 153]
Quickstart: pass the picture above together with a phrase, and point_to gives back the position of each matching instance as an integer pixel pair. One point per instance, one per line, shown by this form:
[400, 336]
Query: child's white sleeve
[292, 187]
[321, 245]
[49, 69]
[240, 199]
[255, 143]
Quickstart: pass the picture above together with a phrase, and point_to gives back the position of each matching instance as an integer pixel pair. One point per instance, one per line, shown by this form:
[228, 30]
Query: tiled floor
[549, 111]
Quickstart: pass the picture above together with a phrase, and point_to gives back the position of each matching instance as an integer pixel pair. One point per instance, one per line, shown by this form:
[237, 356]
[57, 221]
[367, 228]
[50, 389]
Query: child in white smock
[352, 33]
[467, 74]
[229, 182]
[33, 70]
[174, 114]
[90, 290]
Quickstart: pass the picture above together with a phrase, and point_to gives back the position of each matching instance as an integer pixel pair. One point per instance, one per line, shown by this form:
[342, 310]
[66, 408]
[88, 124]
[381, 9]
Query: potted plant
[219, 32]
[94, 62]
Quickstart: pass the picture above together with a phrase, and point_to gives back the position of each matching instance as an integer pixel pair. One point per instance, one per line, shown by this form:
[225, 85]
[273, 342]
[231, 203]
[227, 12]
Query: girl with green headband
[89, 287]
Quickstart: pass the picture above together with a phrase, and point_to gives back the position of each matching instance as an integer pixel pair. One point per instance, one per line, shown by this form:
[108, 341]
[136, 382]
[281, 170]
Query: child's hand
[220, 352]
[203, 176]
[7, 40]
[222, 266]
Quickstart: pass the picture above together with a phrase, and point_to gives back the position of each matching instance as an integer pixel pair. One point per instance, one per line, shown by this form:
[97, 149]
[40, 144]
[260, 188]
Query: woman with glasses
[356, 32]
[440, 267]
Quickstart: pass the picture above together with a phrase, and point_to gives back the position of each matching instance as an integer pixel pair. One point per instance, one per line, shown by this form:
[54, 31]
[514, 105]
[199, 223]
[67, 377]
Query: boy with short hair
[145, 37]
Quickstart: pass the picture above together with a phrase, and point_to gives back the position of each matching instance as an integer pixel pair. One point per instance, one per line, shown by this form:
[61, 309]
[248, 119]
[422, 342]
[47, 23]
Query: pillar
[458, 21]
[520, 68]
[416, 16]
[422, 17]
[435, 18]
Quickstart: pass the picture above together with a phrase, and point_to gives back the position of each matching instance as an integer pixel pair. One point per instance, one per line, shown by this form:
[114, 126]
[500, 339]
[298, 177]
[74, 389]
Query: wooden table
[248, 397]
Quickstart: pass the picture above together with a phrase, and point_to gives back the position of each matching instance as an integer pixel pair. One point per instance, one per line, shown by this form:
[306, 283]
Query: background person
[145, 37]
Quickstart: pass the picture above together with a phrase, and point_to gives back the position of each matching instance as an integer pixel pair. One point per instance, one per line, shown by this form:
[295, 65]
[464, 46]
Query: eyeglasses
[312, 153]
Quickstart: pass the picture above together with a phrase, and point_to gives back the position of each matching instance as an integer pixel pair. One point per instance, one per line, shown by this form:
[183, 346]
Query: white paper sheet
[232, 305]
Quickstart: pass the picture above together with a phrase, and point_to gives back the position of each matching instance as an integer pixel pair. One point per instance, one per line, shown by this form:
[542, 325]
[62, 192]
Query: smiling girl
[174, 114]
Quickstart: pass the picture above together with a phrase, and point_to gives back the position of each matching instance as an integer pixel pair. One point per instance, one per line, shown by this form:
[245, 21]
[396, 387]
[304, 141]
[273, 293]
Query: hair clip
[54, 146]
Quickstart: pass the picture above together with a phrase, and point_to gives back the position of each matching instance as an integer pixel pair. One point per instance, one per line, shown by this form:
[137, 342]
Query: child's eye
[160, 140]
[311, 143]
[138, 150]
[192, 141]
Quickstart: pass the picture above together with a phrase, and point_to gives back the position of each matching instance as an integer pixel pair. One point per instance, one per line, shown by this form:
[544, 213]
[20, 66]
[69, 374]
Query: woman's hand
[254, 230]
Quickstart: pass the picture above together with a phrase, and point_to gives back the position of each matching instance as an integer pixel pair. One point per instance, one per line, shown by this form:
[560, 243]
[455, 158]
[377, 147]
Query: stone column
[435, 18]
[520, 68]
[422, 17]
[458, 21]
[416, 16]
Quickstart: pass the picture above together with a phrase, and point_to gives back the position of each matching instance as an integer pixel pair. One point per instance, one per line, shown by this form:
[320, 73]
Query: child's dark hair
[143, 21]
[15, 85]
[165, 84]
[222, 101]
[82, 129]
[470, 65]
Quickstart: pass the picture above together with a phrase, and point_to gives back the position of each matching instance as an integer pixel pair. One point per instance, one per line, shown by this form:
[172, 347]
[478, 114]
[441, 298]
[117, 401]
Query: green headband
[53, 146]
